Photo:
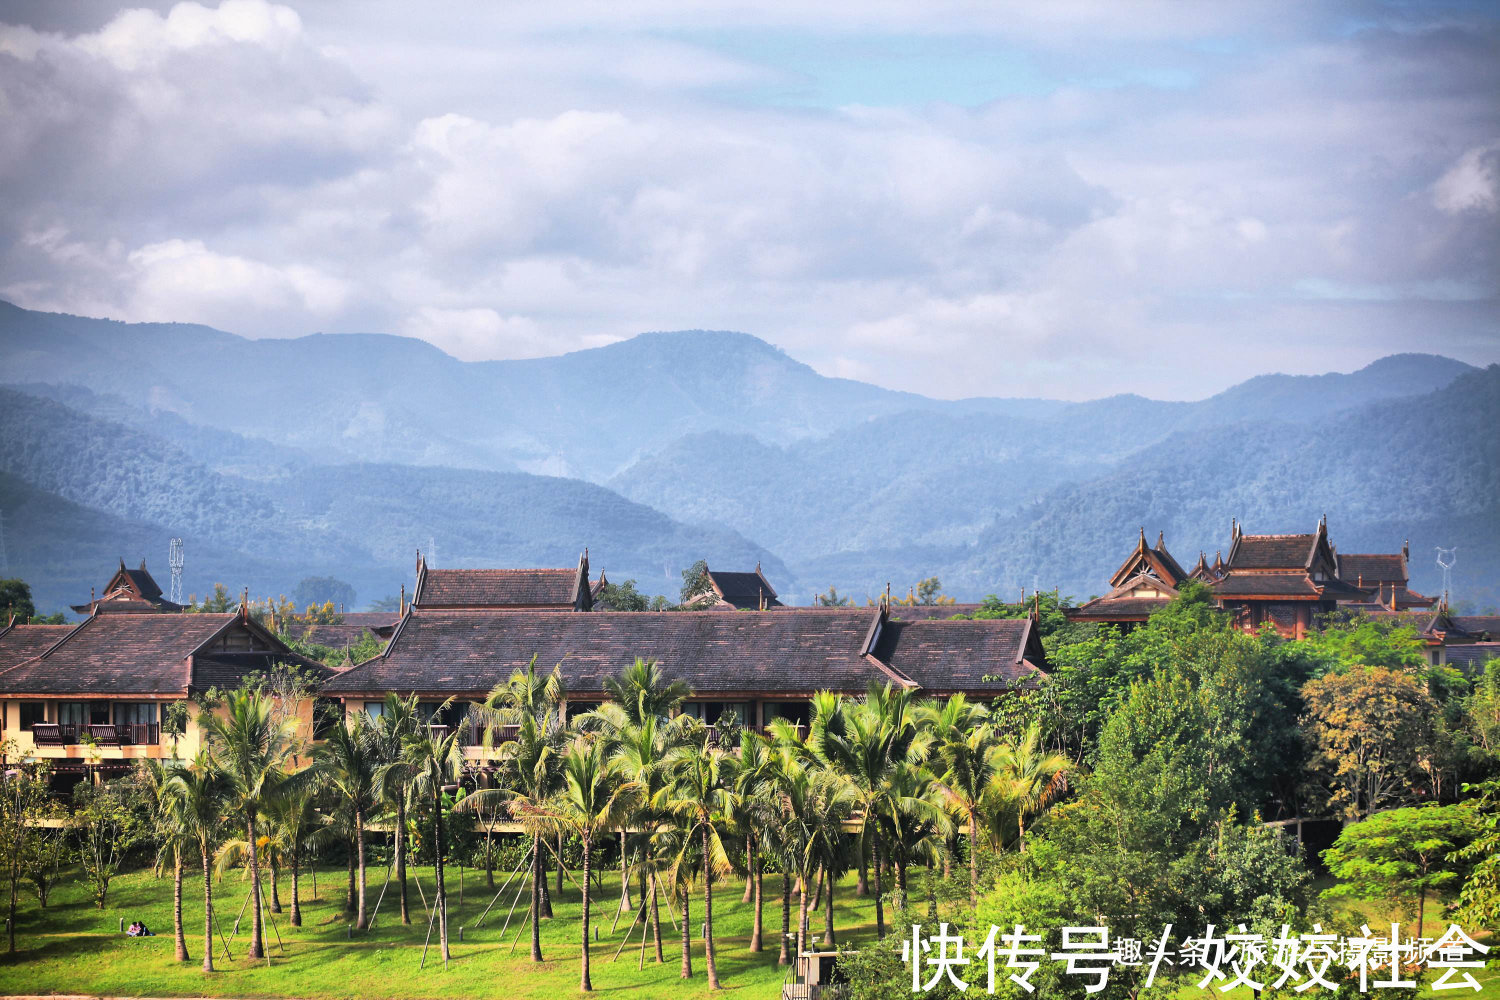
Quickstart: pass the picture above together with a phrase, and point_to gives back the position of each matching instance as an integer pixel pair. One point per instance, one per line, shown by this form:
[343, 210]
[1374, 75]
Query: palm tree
[591, 802]
[964, 743]
[252, 750]
[912, 814]
[427, 764]
[863, 742]
[530, 764]
[702, 802]
[155, 779]
[198, 791]
[293, 825]
[754, 775]
[397, 722]
[345, 762]
[812, 804]
[643, 692]
[1028, 778]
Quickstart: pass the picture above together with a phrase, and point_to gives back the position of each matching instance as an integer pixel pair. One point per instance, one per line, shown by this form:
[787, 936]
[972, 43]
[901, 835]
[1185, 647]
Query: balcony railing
[472, 734]
[59, 734]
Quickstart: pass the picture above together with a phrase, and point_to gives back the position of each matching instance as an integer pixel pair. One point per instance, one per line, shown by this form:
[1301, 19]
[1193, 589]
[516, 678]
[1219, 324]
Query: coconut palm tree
[398, 721]
[754, 776]
[198, 792]
[591, 802]
[812, 804]
[702, 801]
[154, 778]
[294, 824]
[1028, 778]
[643, 691]
[252, 750]
[964, 745]
[863, 741]
[911, 814]
[345, 762]
[429, 765]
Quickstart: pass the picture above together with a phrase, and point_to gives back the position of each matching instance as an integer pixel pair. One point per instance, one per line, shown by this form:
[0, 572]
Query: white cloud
[504, 184]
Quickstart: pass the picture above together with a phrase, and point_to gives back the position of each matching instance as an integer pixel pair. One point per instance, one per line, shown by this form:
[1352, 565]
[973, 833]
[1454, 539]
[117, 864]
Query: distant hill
[79, 492]
[341, 454]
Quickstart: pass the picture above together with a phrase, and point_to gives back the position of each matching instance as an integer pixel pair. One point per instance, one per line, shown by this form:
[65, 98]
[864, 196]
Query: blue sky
[1066, 199]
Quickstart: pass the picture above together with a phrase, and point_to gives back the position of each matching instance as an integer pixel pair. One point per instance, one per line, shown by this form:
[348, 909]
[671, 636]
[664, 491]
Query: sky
[1069, 200]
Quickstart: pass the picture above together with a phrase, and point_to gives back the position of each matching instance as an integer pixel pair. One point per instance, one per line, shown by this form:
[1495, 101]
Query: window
[73, 713]
[711, 712]
[375, 709]
[32, 712]
[453, 715]
[135, 713]
[577, 708]
[796, 712]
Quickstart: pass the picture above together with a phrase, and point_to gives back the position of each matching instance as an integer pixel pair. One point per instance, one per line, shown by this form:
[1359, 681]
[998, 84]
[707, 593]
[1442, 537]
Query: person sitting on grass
[138, 929]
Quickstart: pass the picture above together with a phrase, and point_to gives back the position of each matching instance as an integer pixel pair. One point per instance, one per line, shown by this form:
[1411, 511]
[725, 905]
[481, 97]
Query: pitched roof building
[1286, 580]
[732, 591]
[1382, 579]
[760, 664]
[1146, 582]
[130, 590]
[504, 589]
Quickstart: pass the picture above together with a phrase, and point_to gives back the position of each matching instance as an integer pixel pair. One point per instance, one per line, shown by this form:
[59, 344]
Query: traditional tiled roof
[1366, 570]
[1271, 551]
[19, 643]
[1471, 657]
[1273, 584]
[943, 657]
[1152, 560]
[1130, 601]
[790, 651]
[742, 591]
[1486, 625]
[475, 588]
[131, 654]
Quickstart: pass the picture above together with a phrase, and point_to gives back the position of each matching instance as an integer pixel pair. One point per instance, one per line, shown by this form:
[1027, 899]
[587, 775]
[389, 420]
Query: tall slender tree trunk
[818, 896]
[538, 886]
[973, 861]
[708, 916]
[749, 869]
[559, 887]
[656, 920]
[275, 868]
[208, 911]
[361, 921]
[1020, 831]
[879, 888]
[802, 927]
[901, 883]
[687, 941]
[351, 894]
[584, 983]
[182, 952]
[757, 926]
[401, 854]
[625, 906]
[783, 958]
[257, 929]
[828, 911]
[862, 886]
[296, 887]
[441, 902]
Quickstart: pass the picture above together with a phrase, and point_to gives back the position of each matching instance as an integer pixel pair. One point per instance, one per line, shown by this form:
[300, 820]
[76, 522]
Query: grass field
[75, 948]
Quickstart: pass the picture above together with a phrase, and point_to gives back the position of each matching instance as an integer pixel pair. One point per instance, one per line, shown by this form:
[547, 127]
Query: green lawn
[75, 948]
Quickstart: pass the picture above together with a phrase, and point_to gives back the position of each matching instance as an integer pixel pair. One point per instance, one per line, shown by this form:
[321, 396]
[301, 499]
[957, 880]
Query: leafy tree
[24, 801]
[1345, 641]
[1479, 898]
[388, 603]
[695, 581]
[625, 597]
[107, 829]
[1369, 727]
[1402, 854]
[315, 590]
[217, 603]
[15, 599]
[1482, 710]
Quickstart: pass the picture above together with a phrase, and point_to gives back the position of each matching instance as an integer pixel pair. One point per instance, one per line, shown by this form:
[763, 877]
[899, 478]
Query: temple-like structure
[1146, 582]
[505, 589]
[733, 591]
[130, 590]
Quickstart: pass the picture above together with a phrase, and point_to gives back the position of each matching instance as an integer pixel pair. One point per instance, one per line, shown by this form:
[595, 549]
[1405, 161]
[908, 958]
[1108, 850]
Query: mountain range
[341, 454]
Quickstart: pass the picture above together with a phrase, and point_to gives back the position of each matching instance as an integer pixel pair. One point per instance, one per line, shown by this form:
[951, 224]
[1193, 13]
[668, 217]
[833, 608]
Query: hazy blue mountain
[1425, 468]
[78, 492]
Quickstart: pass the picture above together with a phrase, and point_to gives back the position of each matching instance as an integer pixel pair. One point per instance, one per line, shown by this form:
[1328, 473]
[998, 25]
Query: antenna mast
[174, 559]
[1446, 559]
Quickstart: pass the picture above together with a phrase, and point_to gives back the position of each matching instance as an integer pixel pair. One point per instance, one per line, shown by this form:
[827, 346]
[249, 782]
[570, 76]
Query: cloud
[1139, 197]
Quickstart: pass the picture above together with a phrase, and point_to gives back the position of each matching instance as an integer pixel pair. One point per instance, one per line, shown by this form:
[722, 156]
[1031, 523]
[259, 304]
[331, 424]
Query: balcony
[62, 734]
